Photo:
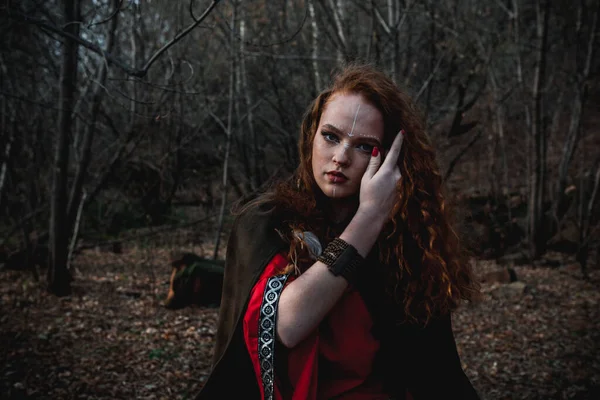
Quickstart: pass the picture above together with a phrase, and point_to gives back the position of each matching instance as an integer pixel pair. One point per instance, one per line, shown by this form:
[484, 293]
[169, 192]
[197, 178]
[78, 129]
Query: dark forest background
[117, 115]
[124, 122]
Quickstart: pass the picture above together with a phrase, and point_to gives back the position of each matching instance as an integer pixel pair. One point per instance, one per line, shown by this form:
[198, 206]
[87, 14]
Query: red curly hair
[428, 273]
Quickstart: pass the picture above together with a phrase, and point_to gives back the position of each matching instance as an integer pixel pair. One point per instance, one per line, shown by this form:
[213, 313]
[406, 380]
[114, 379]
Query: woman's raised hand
[378, 192]
[298, 313]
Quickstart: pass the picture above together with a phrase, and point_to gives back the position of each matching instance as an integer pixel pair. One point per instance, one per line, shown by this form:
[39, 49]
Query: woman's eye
[367, 148]
[330, 137]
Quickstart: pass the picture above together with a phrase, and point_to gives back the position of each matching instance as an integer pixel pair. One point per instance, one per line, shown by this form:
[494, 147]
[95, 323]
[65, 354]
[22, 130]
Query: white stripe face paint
[358, 134]
[345, 147]
[346, 144]
[354, 122]
[351, 133]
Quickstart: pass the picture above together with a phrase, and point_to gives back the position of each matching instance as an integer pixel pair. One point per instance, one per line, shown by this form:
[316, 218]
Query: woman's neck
[342, 210]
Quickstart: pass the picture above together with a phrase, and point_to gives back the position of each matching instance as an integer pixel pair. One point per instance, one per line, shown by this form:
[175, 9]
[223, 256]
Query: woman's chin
[340, 192]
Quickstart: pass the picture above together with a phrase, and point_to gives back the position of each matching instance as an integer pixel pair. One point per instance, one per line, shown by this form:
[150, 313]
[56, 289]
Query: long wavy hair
[427, 273]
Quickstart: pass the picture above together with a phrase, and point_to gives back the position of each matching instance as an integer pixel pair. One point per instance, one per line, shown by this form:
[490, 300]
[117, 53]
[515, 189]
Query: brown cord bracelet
[342, 259]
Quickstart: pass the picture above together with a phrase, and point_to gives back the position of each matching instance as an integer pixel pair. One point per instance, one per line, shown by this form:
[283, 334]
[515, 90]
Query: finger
[391, 158]
[374, 163]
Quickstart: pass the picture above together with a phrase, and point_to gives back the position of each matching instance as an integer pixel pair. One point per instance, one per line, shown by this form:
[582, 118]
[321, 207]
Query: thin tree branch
[287, 56]
[111, 16]
[461, 154]
[179, 36]
[511, 14]
[382, 22]
[284, 41]
[426, 83]
[23, 220]
[220, 122]
[139, 73]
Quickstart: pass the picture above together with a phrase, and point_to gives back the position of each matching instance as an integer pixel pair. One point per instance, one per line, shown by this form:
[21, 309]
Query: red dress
[334, 361]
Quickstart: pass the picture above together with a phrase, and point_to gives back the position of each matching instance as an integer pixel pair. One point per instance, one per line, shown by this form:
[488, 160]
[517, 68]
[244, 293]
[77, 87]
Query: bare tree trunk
[232, 75]
[432, 59]
[522, 92]
[4, 167]
[537, 237]
[592, 201]
[371, 29]
[88, 138]
[59, 279]
[177, 164]
[284, 13]
[255, 153]
[6, 131]
[394, 37]
[589, 185]
[393, 23]
[575, 124]
[338, 10]
[314, 45]
[76, 226]
[244, 140]
[134, 60]
[499, 117]
[517, 40]
[392, 27]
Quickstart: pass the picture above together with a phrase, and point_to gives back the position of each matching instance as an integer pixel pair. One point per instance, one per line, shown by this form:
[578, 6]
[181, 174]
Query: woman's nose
[342, 154]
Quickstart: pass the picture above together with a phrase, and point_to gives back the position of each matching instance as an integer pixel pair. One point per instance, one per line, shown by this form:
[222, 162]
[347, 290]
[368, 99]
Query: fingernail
[375, 152]
[402, 132]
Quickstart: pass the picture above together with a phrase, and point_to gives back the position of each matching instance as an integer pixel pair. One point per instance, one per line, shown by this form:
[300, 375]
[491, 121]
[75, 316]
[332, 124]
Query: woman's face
[348, 130]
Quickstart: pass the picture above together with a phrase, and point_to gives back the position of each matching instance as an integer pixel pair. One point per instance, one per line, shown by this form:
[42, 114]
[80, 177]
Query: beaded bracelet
[342, 259]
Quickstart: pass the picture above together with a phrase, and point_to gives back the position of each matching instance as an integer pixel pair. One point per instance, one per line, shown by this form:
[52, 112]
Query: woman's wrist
[371, 216]
[362, 231]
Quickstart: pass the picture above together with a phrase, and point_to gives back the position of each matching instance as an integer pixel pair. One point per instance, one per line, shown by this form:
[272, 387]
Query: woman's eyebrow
[370, 139]
[333, 128]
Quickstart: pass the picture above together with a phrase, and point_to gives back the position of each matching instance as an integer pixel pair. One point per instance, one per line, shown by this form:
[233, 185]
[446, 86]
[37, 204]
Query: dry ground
[112, 339]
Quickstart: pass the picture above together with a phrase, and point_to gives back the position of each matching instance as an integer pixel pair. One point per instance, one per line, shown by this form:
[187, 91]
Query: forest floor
[112, 339]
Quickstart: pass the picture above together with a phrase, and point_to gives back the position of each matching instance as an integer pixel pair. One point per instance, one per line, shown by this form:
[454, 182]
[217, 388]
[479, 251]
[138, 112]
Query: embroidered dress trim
[266, 332]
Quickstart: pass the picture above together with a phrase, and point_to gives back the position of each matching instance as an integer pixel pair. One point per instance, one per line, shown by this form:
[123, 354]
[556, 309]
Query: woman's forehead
[352, 114]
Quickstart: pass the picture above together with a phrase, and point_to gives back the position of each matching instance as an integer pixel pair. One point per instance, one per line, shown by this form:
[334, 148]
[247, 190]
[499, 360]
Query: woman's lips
[336, 177]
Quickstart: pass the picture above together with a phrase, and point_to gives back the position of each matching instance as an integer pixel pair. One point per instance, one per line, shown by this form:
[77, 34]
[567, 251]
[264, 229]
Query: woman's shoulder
[256, 214]
[257, 224]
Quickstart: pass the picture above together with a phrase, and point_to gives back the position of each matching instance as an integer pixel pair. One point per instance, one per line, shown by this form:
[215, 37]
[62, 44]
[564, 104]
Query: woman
[340, 282]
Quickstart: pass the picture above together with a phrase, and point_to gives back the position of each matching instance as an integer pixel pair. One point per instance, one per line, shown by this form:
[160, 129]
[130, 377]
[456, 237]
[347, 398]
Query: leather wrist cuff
[342, 259]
